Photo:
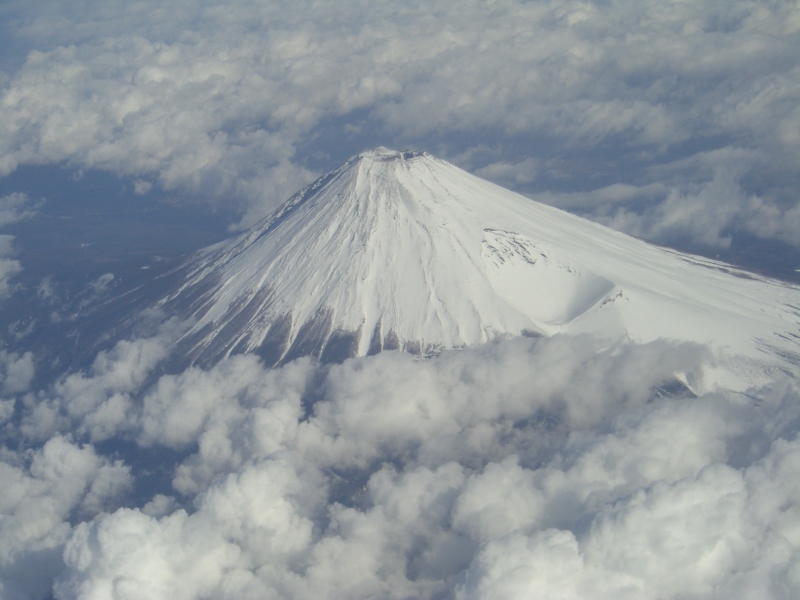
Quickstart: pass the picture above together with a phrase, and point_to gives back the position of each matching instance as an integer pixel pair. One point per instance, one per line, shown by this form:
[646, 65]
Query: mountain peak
[391, 251]
[383, 154]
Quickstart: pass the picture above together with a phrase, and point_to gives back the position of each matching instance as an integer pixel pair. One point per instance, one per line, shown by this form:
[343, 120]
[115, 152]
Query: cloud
[15, 207]
[16, 371]
[705, 213]
[8, 266]
[42, 491]
[102, 283]
[514, 173]
[702, 201]
[94, 289]
[141, 186]
[550, 467]
[230, 105]
[99, 403]
[556, 467]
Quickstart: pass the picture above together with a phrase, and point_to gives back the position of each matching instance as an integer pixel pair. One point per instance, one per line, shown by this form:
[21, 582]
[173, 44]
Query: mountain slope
[402, 250]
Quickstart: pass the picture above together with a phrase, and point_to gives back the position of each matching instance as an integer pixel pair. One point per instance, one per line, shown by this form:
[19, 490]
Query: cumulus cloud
[572, 96]
[526, 468]
[703, 201]
[15, 207]
[557, 468]
[42, 492]
[99, 403]
[16, 371]
[8, 266]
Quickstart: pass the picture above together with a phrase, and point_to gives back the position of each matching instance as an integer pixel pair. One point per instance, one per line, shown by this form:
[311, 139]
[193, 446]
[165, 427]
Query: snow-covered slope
[402, 250]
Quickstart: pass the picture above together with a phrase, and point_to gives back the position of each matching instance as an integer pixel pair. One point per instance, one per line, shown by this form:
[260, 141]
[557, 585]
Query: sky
[132, 133]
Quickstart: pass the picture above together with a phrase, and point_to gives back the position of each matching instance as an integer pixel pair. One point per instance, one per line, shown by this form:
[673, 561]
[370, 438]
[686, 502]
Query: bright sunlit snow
[402, 250]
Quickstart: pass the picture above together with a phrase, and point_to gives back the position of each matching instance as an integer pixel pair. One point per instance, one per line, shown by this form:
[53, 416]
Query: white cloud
[229, 102]
[16, 371]
[102, 283]
[701, 200]
[547, 564]
[704, 214]
[41, 493]
[100, 403]
[528, 467]
[8, 266]
[508, 173]
[15, 207]
[94, 289]
[141, 186]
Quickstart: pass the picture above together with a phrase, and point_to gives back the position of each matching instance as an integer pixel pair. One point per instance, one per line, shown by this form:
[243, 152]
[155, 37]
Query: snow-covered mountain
[401, 250]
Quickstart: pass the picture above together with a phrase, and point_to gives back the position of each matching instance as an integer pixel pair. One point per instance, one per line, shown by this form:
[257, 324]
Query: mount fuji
[401, 250]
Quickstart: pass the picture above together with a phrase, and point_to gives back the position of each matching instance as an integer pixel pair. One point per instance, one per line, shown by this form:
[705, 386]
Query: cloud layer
[246, 103]
[547, 468]
[528, 468]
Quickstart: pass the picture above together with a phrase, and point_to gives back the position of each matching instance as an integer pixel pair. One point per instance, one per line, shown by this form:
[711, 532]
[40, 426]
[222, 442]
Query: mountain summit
[401, 250]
